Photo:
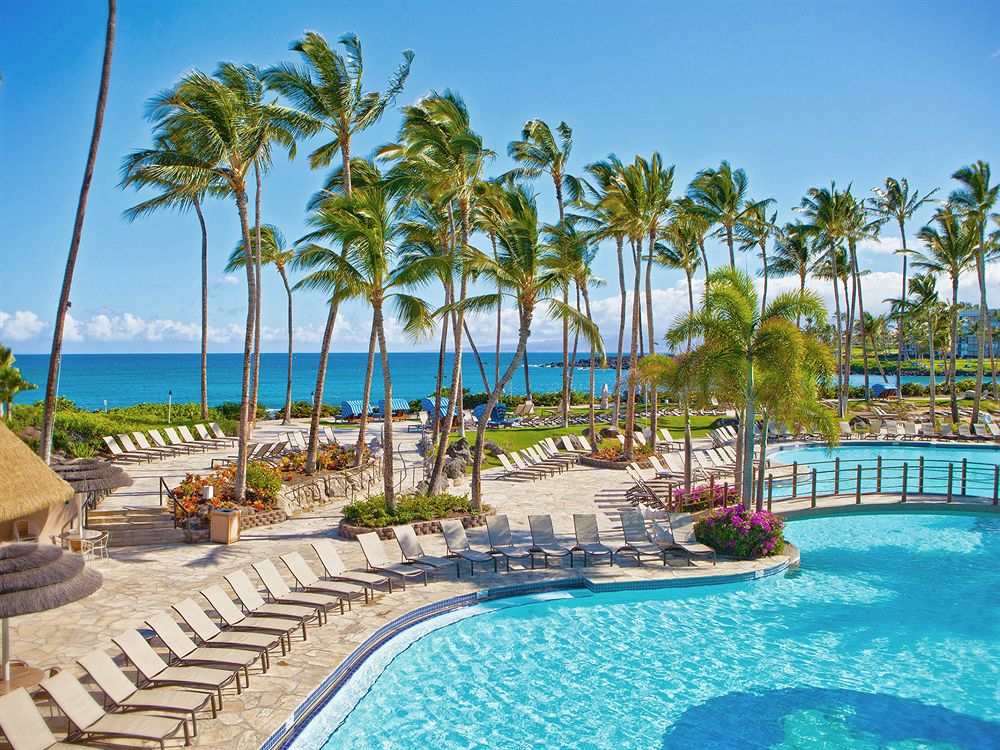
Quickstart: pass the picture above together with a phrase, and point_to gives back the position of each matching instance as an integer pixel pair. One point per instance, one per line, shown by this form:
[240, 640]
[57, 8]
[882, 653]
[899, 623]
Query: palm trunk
[633, 360]
[437, 423]
[239, 482]
[878, 359]
[496, 365]
[617, 415]
[204, 309]
[591, 413]
[388, 470]
[841, 406]
[527, 377]
[687, 272]
[763, 258]
[748, 444]
[954, 348]
[802, 290]
[564, 405]
[255, 379]
[55, 356]
[848, 334]
[761, 462]
[367, 391]
[288, 386]
[983, 321]
[576, 344]
[654, 394]
[899, 323]
[729, 243]
[930, 352]
[479, 360]
[704, 258]
[861, 314]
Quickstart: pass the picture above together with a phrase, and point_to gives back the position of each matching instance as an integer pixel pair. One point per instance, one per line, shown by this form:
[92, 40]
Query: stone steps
[130, 528]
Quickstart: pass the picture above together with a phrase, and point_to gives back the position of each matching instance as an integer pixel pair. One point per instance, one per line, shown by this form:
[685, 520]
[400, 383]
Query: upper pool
[887, 637]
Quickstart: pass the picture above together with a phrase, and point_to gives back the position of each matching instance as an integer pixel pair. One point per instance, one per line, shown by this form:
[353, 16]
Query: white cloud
[230, 279]
[21, 325]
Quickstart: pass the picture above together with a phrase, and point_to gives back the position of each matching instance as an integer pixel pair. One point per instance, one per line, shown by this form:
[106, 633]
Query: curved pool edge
[915, 505]
[296, 723]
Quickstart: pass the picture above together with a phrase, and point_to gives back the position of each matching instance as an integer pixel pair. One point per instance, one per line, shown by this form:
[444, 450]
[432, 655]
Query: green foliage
[263, 485]
[231, 410]
[373, 512]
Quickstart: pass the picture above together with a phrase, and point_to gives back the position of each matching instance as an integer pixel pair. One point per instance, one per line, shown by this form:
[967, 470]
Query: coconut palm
[678, 376]
[876, 329]
[977, 199]
[328, 86]
[755, 230]
[894, 202]
[951, 242]
[794, 246]
[680, 252]
[55, 355]
[720, 196]
[273, 252]
[11, 381]
[926, 306]
[697, 224]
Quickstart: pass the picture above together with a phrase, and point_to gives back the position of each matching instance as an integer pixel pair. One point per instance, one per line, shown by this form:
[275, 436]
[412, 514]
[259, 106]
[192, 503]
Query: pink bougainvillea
[740, 532]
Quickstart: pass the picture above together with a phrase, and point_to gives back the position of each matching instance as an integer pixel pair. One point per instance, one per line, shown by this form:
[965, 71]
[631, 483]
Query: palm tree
[272, 252]
[754, 230]
[720, 197]
[894, 202]
[926, 305]
[181, 195]
[676, 375]
[11, 381]
[977, 198]
[371, 224]
[328, 87]
[681, 252]
[876, 328]
[55, 356]
[794, 246]
[759, 352]
[951, 250]
[697, 224]
[857, 227]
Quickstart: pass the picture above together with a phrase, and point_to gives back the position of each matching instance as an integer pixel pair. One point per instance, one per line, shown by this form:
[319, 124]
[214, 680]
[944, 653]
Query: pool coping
[300, 718]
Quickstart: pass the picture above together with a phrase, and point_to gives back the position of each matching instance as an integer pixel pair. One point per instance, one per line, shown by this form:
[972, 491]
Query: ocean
[90, 380]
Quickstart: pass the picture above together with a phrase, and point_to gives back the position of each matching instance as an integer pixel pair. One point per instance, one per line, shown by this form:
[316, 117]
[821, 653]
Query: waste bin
[225, 526]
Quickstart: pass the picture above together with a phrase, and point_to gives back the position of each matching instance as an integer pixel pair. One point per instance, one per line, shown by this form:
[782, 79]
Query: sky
[799, 94]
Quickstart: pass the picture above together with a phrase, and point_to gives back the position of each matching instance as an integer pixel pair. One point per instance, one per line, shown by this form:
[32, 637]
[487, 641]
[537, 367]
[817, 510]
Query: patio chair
[25, 531]
[156, 672]
[143, 443]
[208, 445]
[336, 570]
[159, 442]
[120, 456]
[378, 560]
[306, 578]
[682, 531]
[235, 619]
[513, 472]
[588, 538]
[94, 723]
[24, 726]
[543, 539]
[501, 541]
[254, 603]
[122, 694]
[457, 542]
[281, 592]
[186, 652]
[212, 636]
[636, 541]
[413, 553]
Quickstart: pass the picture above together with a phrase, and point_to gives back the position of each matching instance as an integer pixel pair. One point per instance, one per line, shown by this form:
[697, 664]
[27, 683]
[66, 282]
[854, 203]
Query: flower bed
[703, 497]
[263, 485]
[329, 458]
[422, 511]
[738, 532]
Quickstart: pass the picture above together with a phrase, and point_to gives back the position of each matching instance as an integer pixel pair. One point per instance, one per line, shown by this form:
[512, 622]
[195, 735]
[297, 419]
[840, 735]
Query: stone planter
[347, 531]
[602, 463]
[194, 535]
[330, 488]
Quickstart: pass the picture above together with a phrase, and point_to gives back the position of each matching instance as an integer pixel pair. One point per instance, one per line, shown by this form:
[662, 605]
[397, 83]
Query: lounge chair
[205, 437]
[236, 619]
[93, 722]
[513, 472]
[143, 443]
[132, 450]
[541, 458]
[120, 456]
[682, 531]
[889, 430]
[669, 442]
[543, 539]
[993, 429]
[208, 445]
[549, 450]
[588, 538]
[501, 541]
[281, 592]
[567, 444]
[378, 560]
[159, 442]
[413, 553]
[636, 541]
[336, 570]
[457, 542]
[23, 725]
[155, 671]
[845, 430]
[979, 431]
[186, 652]
[254, 603]
[963, 431]
[219, 433]
[538, 472]
[306, 578]
[212, 636]
[122, 694]
[910, 431]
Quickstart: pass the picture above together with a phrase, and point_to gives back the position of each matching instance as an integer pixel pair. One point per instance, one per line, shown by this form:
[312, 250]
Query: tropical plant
[926, 306]
[720, 197]
[11, 381]
[739, 532]
[754, 231]
[794, 247]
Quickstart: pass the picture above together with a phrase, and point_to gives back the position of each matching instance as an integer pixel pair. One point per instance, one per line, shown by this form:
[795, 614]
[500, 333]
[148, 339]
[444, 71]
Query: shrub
[739, 532]
[702, 497]
[373, 512]
[329, 458]
[263, 485]
[612, 450]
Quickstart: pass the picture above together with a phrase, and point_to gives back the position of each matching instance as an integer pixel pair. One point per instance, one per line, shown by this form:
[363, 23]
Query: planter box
[601, 463]
[346, 531]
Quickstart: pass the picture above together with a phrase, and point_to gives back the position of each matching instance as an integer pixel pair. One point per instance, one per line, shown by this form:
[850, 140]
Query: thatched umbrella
[27, 485]
[91, 477]
[36, 578]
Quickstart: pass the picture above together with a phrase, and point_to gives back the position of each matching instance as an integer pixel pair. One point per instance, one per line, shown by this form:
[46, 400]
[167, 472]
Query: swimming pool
[979, 480]
[886, 637]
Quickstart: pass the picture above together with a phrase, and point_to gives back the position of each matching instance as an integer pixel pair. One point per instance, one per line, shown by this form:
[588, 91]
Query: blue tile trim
[285, 735]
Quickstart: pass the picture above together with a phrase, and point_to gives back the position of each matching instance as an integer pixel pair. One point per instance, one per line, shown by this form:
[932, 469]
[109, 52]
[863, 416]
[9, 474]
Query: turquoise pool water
[979, 479]
[887, 637]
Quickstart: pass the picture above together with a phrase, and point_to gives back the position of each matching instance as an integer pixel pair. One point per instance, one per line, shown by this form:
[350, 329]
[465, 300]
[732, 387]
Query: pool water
[980, 469]
[887, 637]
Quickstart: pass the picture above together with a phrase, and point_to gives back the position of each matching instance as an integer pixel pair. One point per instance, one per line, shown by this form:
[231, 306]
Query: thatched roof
[91, 474]
[39, 577]
[27, 485]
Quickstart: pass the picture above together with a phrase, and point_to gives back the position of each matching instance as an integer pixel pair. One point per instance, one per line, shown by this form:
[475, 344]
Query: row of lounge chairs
[290, 442]
[544, 459]
[890, 430]
[179, 441]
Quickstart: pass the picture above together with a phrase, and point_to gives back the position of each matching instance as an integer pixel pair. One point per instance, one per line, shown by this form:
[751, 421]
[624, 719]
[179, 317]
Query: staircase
[135, 527]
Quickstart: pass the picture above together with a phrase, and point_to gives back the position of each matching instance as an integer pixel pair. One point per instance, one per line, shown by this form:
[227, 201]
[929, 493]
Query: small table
[77, 538]
[21, 675]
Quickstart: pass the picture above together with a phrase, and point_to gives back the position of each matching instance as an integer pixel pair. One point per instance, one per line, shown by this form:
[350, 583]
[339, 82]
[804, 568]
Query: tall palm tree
[926, 306]
[681, 252]
[697, 224]
[755, 230]
[182, 195]
[894, 202]
[328, 86]
[858, 226]
[977, 198]
[273, 252]
[55, 356]
[951, 249]
[794, 245]
[877, 328]
[720, 196]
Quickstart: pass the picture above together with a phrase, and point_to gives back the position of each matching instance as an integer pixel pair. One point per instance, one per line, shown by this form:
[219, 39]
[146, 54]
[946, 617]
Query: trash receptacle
[225, 526]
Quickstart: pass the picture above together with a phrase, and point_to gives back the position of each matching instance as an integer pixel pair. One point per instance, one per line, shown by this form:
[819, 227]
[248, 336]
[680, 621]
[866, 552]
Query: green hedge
[373, 512]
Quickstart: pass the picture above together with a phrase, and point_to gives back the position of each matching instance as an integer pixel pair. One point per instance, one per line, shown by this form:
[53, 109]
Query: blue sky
[797, 93]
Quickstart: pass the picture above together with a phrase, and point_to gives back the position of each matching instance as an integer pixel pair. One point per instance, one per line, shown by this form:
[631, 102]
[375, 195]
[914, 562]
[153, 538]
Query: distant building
[968, 337]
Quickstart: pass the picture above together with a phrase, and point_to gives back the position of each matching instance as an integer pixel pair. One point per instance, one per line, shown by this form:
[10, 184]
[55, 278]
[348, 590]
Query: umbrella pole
[6, 649]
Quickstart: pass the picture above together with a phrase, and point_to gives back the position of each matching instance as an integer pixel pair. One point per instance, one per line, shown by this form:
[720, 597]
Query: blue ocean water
[125, 379]
[885, 639]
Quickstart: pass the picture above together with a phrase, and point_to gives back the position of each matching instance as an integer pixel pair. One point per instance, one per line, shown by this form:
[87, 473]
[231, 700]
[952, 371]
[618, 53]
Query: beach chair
[421, 424]
[927, 431]
[668, 442]
[281, 592]
[543, 539]
[205, 437]
[187, 437]
[523, 466]
[174, 439]
[548, 450]
[963, 431]
[378, 560]
[122, 694]
[186, 652]
[513, 472]
[457, 542]
[120, 456]
[413, 553]
[993, 429]
[307, 579]
[132, 450]
[220, 434]
[336, 570]
[94, 723]
[568, 446]
[159, 442]
[636, 541]
[212, 636]
[682, 534]
[909, 431]
[980, 432]
[889, 430]
[24, 726]
[542, 461]
[501, 541]
[329, 434]
[253, 603]
[144, 446]
[156, 672]
[588, 539]
[235, 619]
[845, 430]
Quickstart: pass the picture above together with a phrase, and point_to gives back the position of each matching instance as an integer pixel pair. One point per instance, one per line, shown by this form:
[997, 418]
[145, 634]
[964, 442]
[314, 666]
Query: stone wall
[346, 531]
[334, 488]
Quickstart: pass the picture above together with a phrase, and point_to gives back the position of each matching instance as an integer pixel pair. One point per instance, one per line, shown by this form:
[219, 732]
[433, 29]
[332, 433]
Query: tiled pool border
[284, 736]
